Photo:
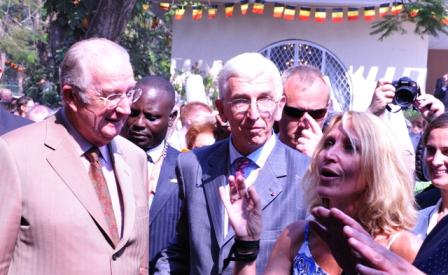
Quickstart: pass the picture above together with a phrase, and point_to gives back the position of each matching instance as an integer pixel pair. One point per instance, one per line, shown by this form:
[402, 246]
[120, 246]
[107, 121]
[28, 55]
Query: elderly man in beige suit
[73, 196]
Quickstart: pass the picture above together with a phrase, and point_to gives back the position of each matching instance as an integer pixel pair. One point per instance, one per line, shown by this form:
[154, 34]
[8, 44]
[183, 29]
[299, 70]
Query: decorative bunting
[212, 11]
[165, 6]
[290, 12]
[304, 13]
[179, 14]
[278, 10]
[287, 12]
[197, 12]
[244, 5]
[396, 8]
[369, 13]
[145, 7]
[337, 15]
[384, 9]
[258, 7]
[352, 14]
[445, 20]
[228, 9]
[320, 15]
[414, 12]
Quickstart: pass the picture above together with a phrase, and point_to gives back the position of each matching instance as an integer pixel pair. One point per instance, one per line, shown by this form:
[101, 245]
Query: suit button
[114, 257]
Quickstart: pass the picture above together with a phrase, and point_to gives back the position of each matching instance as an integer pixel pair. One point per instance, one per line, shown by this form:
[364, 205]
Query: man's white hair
[249, 65]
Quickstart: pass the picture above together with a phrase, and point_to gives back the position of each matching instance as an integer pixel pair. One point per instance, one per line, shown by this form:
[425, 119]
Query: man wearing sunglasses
[74, 194]
[307, 101]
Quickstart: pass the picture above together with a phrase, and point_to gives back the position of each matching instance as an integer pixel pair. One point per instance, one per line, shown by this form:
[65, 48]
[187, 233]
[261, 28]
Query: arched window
[288, 53]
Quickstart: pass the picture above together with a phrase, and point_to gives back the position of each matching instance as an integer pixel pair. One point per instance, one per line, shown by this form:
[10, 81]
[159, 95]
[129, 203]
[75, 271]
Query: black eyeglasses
[298, 113]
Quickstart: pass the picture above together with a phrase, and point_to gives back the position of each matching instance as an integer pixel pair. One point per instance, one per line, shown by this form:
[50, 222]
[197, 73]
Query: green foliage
[148, 40]
[428, 16]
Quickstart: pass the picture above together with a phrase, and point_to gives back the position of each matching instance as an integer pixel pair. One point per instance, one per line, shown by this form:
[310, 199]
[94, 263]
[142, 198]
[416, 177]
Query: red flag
[228, 9]
[352, 14]
[278, 10]
[290, 12]
[304, 13]
[337, 15]
[320, 15]
[369, 13]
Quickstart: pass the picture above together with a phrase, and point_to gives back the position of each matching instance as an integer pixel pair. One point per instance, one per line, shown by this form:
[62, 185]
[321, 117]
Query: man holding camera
[428, 106]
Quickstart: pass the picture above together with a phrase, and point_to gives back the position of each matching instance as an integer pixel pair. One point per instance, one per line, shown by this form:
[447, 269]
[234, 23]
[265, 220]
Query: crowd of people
[121, 180]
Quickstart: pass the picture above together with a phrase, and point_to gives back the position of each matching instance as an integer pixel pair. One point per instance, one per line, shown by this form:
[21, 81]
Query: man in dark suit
[251, 100]
[9, 122]
[146, 127]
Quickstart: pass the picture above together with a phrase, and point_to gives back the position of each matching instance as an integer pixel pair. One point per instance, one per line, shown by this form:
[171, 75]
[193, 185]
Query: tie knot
[240, 165]
[93, 155]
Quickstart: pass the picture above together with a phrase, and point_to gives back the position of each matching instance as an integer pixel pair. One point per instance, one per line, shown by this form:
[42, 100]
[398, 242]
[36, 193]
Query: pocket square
[173, 180]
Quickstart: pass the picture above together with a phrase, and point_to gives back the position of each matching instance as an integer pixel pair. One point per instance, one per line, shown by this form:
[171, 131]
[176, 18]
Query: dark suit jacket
[9, 122]
[432, 258]
[200, 246]
[165, 207]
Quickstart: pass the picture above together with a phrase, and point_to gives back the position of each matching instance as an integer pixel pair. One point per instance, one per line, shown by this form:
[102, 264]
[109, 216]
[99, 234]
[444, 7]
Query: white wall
[366, 58]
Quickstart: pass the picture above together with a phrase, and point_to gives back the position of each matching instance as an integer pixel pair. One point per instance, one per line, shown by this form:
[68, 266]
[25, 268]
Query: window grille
[288, 53]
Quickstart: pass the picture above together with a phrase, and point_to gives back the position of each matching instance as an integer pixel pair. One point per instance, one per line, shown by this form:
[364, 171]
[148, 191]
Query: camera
[406, 91]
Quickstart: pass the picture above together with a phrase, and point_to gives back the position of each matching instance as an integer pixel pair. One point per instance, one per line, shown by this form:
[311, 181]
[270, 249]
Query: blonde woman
[355, 168]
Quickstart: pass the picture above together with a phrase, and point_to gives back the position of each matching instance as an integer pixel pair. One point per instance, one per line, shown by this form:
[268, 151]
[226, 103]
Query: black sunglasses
[298, 113]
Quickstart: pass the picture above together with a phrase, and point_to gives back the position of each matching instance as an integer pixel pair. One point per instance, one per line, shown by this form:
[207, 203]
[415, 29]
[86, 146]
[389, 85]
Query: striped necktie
[241, 166]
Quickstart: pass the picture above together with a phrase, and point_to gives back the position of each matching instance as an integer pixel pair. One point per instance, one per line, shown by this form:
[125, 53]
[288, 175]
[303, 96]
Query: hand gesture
[383, 95]
[244, 209]
[353, 248]
[429, 106]
[310, 136]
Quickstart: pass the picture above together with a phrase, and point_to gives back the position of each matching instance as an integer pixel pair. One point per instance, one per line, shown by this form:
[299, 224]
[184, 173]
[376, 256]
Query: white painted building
[364, 58]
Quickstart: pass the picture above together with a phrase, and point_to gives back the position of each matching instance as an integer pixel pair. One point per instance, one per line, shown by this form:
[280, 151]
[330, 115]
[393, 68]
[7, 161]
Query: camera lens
[404, 96]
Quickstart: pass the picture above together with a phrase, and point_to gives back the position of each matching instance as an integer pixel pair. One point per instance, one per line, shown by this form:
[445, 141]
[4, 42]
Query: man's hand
[429, 106]
[244, 209]
[383, 95]
[366, 256]
[310, 136]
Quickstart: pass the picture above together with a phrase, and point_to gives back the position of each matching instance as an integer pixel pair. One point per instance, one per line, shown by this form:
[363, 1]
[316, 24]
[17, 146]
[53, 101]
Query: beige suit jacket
[51, 220]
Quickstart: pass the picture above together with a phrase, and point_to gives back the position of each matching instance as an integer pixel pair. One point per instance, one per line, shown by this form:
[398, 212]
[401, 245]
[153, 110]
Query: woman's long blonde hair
[387, 201]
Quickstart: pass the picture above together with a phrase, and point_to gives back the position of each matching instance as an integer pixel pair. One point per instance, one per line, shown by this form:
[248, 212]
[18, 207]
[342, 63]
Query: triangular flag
[337, 15]
[369, 13]
[244, 5]
[396, 8]
[258, 7]
[179, 14]
[228, 9]
[304, 13]
[212, 11]
[320, 15]
[165, 6]
[352, 14]
[384, 9]
[278, 10]
[289, 13]
[413, 12]
[197, 12]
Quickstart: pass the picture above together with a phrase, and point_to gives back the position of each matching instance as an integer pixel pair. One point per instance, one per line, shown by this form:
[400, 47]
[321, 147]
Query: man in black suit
[147, 126]
[9, 122]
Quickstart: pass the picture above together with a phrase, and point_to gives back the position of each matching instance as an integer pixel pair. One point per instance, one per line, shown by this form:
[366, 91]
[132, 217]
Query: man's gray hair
[251, 66]
[83, 56]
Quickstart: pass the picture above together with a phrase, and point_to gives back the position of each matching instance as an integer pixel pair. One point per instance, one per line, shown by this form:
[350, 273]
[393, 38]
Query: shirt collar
[156, 152]
[81, 144]
[258, 156]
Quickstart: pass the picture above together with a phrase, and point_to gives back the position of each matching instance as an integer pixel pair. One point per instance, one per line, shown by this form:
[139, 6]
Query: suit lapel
[268, 183]
[66, 162]
[165, 184]
[124, 179]
[215, 173]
